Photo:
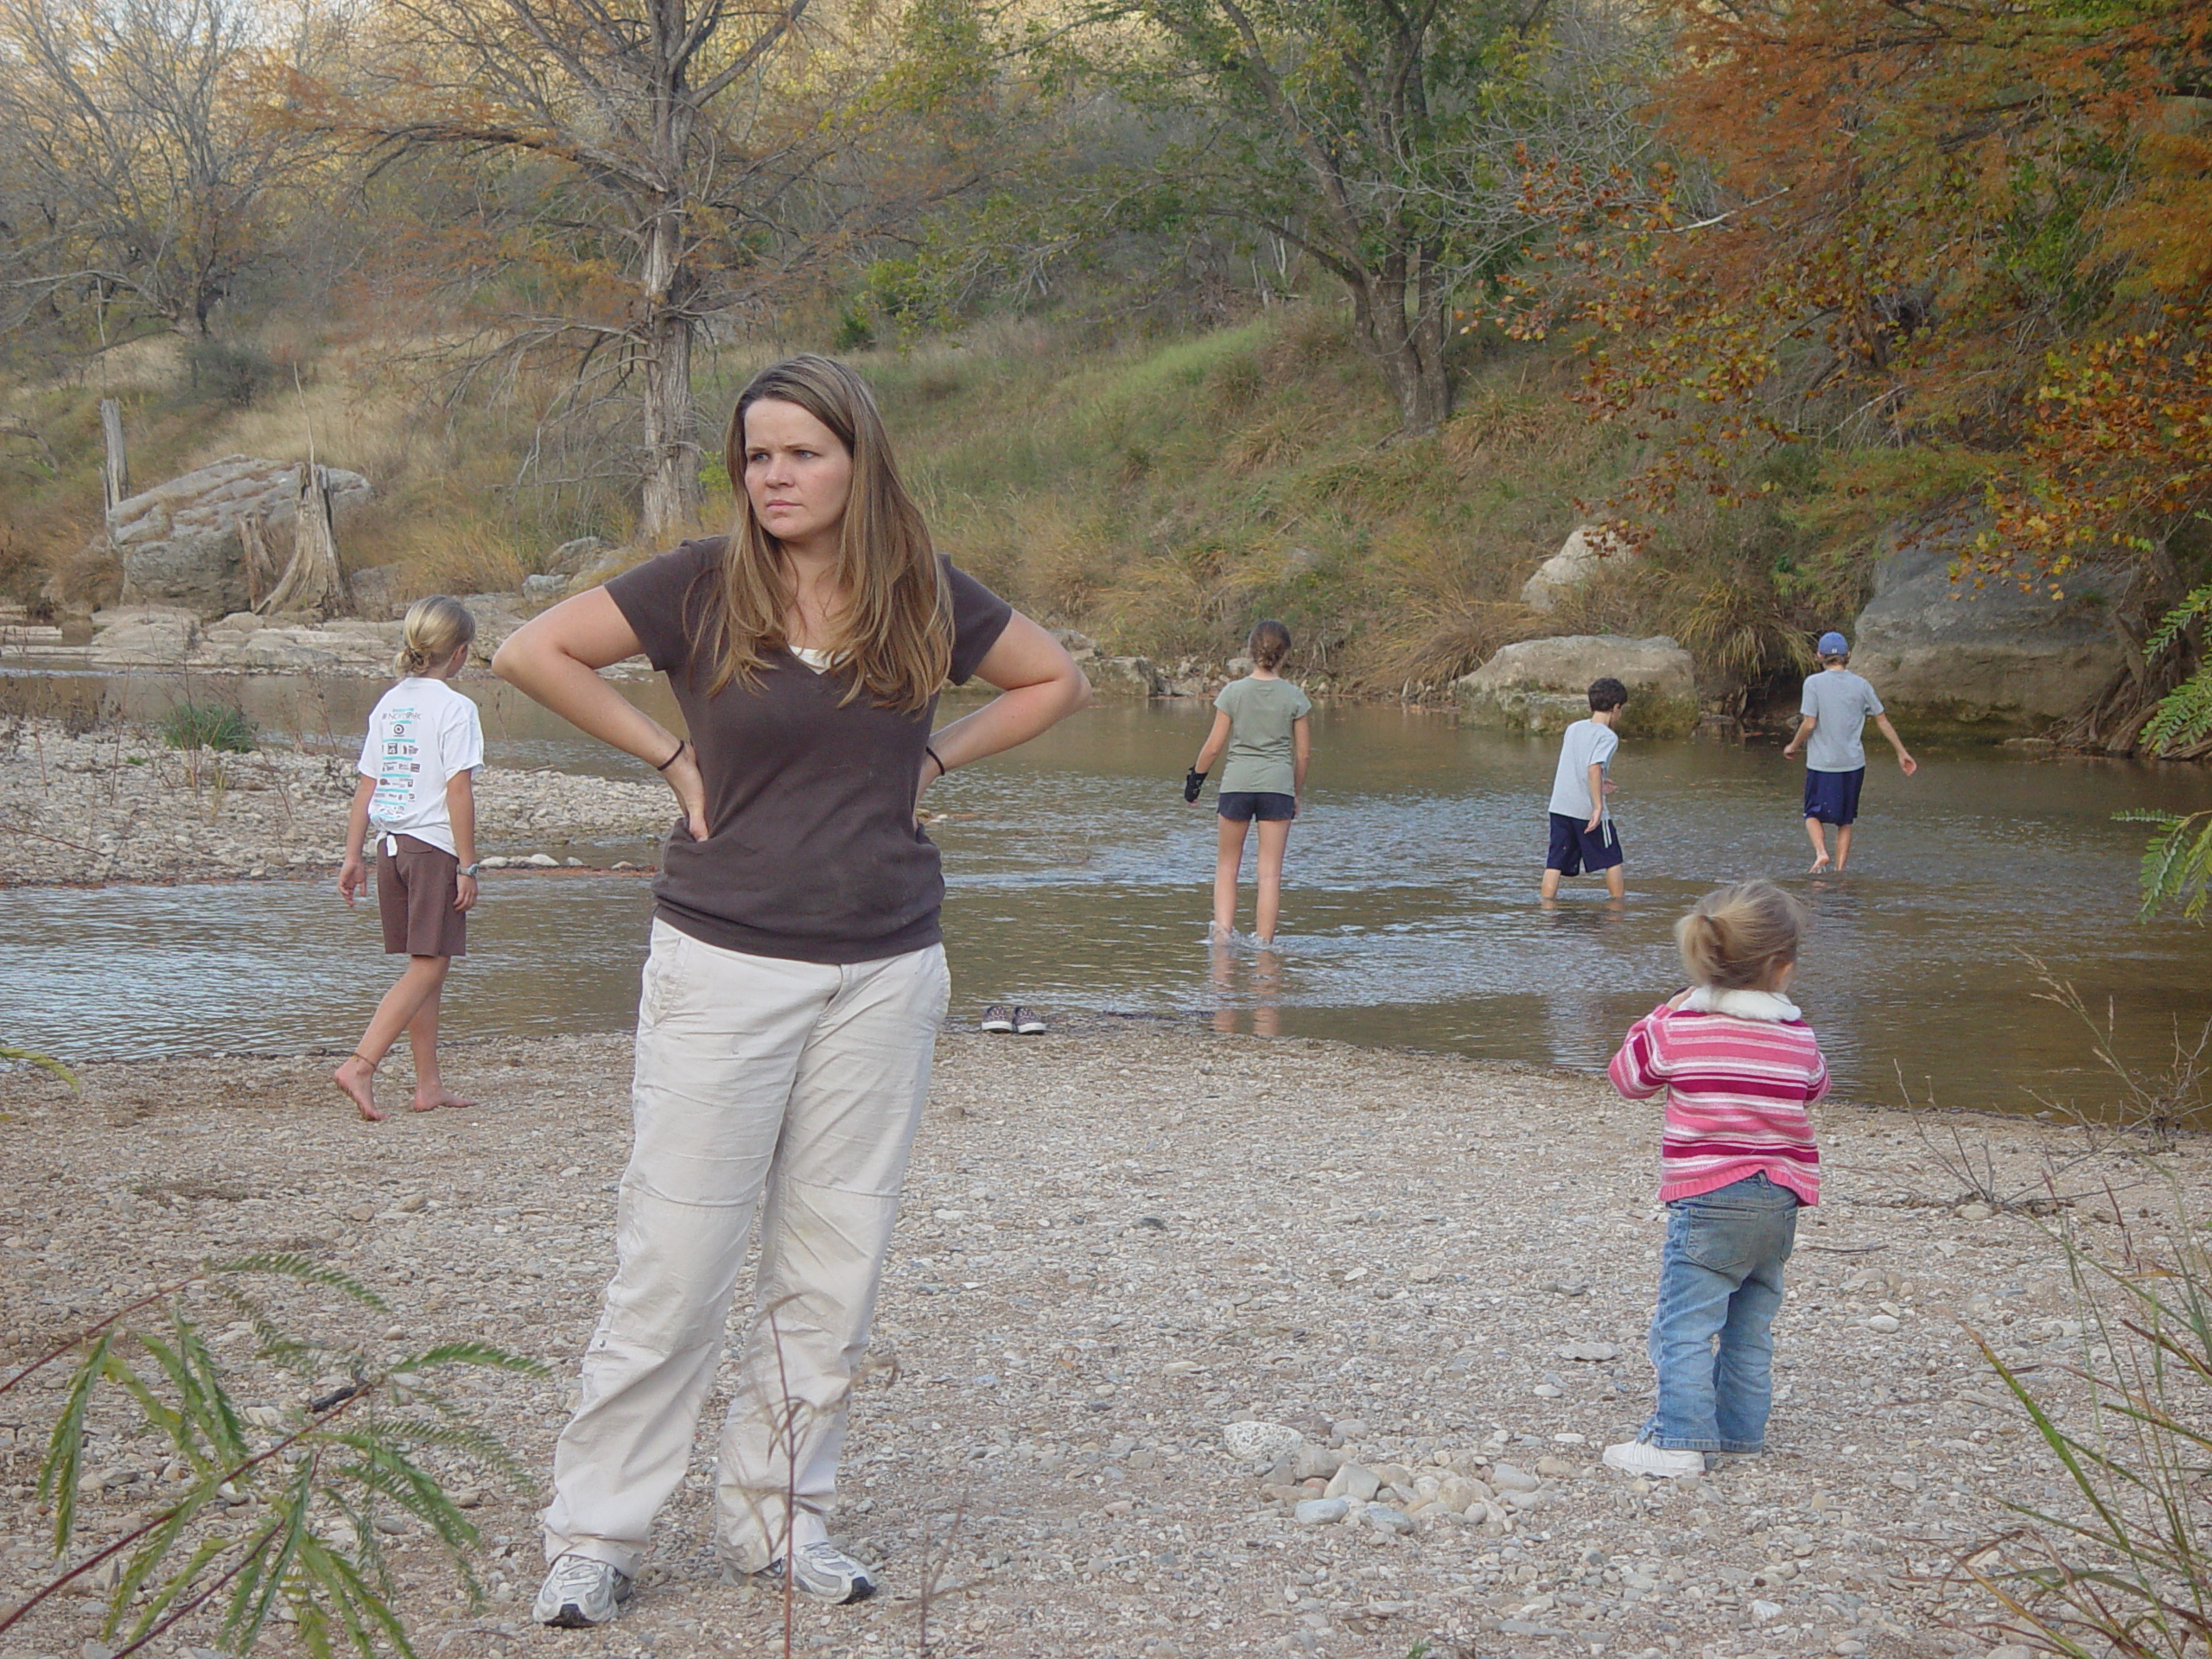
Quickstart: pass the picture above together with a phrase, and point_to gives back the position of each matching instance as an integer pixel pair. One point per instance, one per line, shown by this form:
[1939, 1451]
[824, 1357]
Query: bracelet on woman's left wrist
[942, 769]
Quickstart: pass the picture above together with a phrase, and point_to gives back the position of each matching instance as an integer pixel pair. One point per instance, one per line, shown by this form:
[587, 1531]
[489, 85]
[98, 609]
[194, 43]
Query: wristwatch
[469, 870]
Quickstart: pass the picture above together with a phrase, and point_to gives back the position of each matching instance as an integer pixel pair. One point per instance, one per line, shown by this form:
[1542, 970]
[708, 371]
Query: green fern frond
[306, 1548]
[473, 1353]
[2184, 715]
[2195, 603]
[65, 1449]
[309, 1271]
[2177, 864]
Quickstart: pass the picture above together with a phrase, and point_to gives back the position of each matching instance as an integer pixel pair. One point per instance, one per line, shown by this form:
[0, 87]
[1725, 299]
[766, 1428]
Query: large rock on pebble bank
[1992, 659]
[1544, 685]
[179, 542]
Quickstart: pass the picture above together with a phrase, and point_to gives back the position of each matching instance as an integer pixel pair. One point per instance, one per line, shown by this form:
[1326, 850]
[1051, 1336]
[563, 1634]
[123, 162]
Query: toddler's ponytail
[436, 627]
[1737, 936]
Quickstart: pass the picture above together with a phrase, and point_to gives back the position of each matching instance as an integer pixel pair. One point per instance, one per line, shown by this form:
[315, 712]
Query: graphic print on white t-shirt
[420, 734]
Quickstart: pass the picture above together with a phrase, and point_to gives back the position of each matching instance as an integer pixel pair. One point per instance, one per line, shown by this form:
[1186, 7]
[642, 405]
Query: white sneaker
[1026, 1024]
[580, 1592]
[1641, 1458]
[999, 1017]
[823, 1571]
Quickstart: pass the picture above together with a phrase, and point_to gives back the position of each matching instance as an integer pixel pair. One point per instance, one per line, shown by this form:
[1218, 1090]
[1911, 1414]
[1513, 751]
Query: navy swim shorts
[1833, 797]
[1577, 849]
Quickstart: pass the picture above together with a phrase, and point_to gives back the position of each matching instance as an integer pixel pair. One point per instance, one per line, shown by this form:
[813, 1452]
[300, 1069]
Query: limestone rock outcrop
[563, 565]
[1585, 552]
[1989, 660]
[1544, 685]
[180, 544]
[1127, 677]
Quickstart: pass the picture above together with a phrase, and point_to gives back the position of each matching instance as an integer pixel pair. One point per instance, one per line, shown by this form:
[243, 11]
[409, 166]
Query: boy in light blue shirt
[1833, 713]
[1583, 837]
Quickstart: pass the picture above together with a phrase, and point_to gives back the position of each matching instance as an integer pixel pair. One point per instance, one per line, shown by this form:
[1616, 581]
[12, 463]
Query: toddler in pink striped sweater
[1739, 1066]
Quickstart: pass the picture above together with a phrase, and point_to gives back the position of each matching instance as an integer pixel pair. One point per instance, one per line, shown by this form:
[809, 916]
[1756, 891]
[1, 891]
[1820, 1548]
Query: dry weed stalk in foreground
[2129, 1576]
[2160, 1103]
[275, 1515]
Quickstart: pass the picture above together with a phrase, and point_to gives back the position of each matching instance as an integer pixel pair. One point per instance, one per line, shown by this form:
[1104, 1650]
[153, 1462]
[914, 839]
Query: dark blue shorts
[1243, 805]
[1576, 850]
[1833, 797]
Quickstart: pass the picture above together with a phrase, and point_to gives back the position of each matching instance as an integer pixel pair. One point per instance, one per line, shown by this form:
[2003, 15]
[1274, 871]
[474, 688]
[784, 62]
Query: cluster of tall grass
[220, 726]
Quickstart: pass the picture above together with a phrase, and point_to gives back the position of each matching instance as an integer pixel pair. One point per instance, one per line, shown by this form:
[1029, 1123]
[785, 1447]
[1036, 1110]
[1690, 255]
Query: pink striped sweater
[1740, 1069]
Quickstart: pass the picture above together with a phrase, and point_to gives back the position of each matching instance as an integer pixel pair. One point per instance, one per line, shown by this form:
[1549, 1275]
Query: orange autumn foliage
[1983, 229]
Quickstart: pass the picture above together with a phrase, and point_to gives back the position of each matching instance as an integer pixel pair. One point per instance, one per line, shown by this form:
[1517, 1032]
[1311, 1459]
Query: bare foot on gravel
[1819, 865]
[357, 1080]
[428, 1100]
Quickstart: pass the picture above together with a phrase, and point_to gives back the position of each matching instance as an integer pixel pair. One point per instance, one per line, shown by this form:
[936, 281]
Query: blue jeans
[1719, 1277]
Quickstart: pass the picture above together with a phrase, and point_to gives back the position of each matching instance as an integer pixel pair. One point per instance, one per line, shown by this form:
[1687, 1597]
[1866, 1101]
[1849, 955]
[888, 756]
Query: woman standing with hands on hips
[795, 982]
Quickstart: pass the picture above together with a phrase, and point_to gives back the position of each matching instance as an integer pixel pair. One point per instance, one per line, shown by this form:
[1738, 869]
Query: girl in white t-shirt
[415, 797]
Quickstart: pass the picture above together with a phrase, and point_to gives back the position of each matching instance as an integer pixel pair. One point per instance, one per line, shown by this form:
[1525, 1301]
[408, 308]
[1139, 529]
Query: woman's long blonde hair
[894, 634]
[1737, 936]
[435, 628]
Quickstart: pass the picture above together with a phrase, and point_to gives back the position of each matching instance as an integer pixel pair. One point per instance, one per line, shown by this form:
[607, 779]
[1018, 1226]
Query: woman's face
[798, 474]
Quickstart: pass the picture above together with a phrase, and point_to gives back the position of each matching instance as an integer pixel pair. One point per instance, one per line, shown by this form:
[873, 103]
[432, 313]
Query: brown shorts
[415, 889]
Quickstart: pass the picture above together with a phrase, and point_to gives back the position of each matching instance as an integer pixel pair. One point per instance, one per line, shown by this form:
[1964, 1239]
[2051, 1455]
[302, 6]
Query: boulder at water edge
[179, 542]
[1544, 685]
[1126, 677]
[1990, 660]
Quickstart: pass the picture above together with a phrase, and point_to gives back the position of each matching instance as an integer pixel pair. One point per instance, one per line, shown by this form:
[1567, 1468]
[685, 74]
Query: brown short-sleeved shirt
[812, 853]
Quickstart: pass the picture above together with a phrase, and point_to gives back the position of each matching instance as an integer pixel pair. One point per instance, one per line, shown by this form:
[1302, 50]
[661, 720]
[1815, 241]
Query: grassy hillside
[1164, 496]
[1160, 494]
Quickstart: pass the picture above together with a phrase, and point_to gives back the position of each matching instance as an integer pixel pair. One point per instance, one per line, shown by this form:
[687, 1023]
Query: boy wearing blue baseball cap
[1834, 712]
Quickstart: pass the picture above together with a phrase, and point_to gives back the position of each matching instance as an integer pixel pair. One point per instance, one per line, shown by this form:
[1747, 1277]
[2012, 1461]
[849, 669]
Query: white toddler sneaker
[1642, 1458]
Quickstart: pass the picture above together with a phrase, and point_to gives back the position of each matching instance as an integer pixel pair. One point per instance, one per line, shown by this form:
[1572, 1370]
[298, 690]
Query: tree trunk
[313, 580]
[1407, 349]
[115, 471]
[671, 495]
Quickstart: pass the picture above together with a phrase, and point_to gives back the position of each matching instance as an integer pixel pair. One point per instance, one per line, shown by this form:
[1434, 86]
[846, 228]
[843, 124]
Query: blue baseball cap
[1833, 644]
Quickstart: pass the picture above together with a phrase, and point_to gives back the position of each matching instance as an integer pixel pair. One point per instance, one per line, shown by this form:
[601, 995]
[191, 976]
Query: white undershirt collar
[1745, 1005]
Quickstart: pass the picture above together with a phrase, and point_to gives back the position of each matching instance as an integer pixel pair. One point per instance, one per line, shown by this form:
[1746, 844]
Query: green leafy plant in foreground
[277, 1514]
[191, 726]
[2177, 862]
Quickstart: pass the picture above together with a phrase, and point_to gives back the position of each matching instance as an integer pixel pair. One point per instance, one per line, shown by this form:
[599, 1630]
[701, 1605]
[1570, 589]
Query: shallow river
[1079, 881]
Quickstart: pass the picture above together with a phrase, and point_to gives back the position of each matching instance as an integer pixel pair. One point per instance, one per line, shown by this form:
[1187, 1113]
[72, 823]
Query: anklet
[365, 1060]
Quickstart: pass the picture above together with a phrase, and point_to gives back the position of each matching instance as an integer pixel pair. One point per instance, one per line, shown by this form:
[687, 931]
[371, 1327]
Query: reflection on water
[1079, 879]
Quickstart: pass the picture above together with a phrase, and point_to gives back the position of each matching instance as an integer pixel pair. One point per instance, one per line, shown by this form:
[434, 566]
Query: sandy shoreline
[1117, 1239]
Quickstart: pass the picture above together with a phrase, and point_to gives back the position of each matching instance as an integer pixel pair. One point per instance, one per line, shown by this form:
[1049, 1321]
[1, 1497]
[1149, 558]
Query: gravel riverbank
[117, 804]
[1118, 1239]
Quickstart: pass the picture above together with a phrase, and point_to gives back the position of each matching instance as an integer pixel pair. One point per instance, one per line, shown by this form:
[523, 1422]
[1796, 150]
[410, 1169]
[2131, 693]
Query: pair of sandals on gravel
[1011, 1017]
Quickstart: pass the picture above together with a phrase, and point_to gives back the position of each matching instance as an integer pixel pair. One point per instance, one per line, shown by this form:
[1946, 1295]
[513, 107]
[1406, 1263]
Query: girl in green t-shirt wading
[1263, 721]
